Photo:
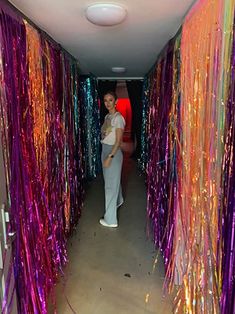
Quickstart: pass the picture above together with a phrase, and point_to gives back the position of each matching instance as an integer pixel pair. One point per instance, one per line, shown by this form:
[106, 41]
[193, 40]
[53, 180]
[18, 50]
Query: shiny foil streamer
[200, 148]
[174, 144]
[204, 55]
[41, 139]
[160, 167]
[54, 160]
[37, 98]
[13, 42]
[142, 162]
[6, 305]
[90, 126]
[73, 154]
[227, 299]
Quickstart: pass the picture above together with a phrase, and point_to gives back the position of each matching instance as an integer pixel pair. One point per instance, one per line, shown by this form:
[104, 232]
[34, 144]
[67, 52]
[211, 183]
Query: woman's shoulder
[119, 120]
[119, 115]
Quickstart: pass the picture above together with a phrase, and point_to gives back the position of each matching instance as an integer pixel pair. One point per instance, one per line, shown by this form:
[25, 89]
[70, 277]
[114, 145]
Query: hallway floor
[110, 270]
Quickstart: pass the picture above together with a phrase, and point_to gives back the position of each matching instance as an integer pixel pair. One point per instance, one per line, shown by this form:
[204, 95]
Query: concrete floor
[110, 270]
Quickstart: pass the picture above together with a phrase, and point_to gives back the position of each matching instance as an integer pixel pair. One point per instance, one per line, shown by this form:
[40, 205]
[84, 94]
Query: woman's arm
[119, 135]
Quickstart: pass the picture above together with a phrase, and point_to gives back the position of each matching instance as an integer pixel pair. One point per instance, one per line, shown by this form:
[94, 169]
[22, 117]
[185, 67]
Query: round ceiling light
[118, 69]
[105, 14]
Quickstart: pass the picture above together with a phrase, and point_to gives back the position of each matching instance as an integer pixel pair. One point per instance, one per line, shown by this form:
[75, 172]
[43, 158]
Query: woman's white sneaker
[104, 223]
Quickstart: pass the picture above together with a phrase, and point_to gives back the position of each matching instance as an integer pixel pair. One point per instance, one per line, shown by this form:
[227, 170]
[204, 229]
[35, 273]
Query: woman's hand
[107, 162]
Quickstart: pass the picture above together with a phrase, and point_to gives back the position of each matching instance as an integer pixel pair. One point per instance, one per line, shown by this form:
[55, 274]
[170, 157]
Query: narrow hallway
[110, 271]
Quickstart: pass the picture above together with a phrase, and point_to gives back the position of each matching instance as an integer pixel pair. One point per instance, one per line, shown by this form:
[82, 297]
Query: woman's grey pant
[112, 182]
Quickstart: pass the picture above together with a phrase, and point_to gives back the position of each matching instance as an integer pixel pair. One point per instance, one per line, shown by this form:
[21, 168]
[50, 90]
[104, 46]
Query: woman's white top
[108, 130]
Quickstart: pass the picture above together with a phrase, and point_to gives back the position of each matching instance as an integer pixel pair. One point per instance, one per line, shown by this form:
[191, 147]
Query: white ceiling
[134, 44]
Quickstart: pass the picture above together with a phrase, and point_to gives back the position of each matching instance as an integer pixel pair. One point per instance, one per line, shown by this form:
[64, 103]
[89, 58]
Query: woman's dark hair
[110, 92]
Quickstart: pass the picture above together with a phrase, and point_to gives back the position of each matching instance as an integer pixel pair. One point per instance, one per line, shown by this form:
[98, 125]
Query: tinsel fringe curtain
[188, 157]
[90, 113]
[45, 147]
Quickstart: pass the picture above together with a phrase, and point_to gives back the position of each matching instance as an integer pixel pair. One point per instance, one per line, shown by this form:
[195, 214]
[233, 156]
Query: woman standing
[112, 133]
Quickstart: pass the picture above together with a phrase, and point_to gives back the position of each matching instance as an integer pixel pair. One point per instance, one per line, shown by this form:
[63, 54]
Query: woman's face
[109, 102]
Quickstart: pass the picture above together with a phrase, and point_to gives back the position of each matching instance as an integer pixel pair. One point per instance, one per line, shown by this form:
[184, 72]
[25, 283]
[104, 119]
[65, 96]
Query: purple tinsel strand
[160, 168]
[227, 300]
[38, 215]
[74, 172]
[12, 33]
